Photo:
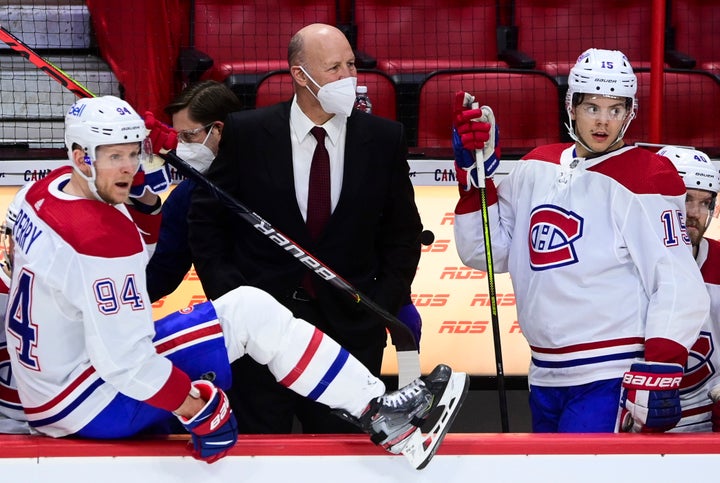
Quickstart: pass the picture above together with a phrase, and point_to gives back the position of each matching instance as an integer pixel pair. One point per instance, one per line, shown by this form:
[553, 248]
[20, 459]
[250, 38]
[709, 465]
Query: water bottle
[362, 101]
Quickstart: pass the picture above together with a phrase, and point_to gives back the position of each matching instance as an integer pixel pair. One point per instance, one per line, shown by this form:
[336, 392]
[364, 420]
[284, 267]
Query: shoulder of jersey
[548, 152]
[91, 227]
[643, 172]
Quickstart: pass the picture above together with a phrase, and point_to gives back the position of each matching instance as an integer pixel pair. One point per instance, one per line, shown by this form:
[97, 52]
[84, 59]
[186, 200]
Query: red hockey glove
[162, 136]
[650, 399]
[213, 429]
[474, 133]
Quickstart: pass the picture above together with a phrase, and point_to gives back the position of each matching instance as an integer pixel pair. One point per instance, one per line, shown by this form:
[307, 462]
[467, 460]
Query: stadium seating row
[422, 36]
[529, 105]
[512, 54]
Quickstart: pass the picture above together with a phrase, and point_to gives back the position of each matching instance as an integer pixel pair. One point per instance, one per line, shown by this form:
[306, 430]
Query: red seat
[277, 87]
[526, 107]
[556, 32]
[691, 101]
[696, 23]
[426, 35]
[246, 37]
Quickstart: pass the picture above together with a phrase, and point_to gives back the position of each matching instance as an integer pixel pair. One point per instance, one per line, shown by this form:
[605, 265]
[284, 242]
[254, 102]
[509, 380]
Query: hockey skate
[394, 420]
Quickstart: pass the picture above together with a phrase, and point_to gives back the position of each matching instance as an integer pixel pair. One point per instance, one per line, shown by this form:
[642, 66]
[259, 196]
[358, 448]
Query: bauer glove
[213, 430]
[650, 401]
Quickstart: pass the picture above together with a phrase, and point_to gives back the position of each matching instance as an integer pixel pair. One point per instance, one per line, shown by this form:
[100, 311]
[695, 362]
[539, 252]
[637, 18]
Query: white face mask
[197, 155]
[337, 97]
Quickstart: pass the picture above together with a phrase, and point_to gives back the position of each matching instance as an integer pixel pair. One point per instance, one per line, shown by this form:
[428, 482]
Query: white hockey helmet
[96, 121]
[99, 121]
[606, 73]
[695, 167]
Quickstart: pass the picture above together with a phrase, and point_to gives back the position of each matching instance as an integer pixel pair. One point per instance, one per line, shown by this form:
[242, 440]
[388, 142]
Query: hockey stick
[403, 339]
[65, 80]
[502, 394]
[408, 356]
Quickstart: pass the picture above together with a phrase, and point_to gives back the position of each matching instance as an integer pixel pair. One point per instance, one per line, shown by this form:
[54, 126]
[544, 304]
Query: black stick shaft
[502, 393]
[403, 338]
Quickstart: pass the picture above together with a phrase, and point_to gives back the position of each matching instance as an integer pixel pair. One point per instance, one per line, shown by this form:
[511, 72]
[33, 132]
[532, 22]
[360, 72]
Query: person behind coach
[197, 115]
[371, 239]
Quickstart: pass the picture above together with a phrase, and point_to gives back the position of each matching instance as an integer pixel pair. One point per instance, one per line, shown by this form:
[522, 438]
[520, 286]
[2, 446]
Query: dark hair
[206, 101]
[295, 48]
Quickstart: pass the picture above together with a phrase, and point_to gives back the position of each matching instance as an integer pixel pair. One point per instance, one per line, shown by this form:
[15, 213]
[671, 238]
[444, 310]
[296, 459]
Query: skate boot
[394, 420]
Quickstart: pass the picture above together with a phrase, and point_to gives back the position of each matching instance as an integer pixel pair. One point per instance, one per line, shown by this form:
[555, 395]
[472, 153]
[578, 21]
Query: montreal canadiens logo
[552, 234]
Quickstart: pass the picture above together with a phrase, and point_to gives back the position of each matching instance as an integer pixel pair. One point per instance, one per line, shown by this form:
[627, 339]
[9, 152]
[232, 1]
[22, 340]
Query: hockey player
[90, 362]
[699, 412]
[593, 236]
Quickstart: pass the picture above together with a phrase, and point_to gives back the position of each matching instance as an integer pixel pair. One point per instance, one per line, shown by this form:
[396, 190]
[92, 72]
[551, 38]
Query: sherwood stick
[408, 355]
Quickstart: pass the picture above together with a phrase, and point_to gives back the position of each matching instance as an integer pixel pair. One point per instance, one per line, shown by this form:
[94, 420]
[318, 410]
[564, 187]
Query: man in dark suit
[371, 239]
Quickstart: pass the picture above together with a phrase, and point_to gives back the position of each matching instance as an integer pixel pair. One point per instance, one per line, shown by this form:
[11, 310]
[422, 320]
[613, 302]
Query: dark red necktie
[318, 207]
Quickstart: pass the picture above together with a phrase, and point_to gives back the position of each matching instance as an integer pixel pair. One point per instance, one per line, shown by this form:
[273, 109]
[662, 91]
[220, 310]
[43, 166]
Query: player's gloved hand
[213, 430]
[153, 176]
[650, 399]
[475, 134]
[410, 316]
[162, 136]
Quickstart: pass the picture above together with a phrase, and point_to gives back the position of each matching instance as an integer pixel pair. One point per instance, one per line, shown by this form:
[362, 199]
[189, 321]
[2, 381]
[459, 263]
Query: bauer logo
[553, 232]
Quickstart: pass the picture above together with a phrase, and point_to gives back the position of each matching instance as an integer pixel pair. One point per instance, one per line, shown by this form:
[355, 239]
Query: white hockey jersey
[12, 417]
[79, 327]
[702, 371]
[599, 260]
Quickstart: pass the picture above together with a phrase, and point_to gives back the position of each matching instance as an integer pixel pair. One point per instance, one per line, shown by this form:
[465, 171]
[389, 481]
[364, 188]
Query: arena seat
[695, 24]
[526, 106]
[691, 101]
[556, 32]
[407, 36]
[277, 86]
[246, 39]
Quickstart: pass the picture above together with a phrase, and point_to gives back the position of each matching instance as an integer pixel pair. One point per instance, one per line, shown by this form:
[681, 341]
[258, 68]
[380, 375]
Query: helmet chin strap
[90, 180]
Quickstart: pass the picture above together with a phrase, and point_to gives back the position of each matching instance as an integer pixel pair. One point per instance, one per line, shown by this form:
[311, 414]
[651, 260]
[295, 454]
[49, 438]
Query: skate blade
[420, 448]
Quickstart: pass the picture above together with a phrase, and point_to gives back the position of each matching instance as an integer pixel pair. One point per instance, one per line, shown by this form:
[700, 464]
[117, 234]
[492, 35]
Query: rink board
[352, 458]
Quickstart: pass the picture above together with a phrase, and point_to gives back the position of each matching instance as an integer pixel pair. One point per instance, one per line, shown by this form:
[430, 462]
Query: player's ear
[81, 160]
